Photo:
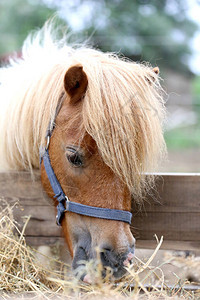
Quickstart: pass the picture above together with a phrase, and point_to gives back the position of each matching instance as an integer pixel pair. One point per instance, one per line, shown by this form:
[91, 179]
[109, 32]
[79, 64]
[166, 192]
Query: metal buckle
[57, 223]
[67, 203]
[48, 141]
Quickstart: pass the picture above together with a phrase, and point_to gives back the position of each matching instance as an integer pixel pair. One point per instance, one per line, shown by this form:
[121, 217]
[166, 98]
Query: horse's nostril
[132, 246]
[105, 257]
[117, 259]
[108, 257]
[106, 249]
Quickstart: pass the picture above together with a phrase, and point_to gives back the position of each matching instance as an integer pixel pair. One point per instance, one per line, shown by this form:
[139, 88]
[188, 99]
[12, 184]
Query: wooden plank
[172, 211]
[174, 226]
[169, 245]
[174, 193]
[42, 222]
[36, 241]
[143, 244]
[26, 190]
[21, 185]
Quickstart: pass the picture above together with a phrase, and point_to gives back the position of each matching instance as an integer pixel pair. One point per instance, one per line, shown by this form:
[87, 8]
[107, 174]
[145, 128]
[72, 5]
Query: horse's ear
[156, 70]
[75, 83]
[153, 78]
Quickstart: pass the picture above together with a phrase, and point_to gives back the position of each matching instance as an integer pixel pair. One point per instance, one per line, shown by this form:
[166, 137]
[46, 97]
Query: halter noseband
[65, 205]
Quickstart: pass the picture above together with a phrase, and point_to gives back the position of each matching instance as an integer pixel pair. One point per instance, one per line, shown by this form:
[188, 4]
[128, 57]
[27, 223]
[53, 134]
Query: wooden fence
[173, 212]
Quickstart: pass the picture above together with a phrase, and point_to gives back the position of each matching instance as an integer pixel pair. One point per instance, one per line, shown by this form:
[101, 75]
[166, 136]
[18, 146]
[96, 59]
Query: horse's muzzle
[110, 260]
[117, 261]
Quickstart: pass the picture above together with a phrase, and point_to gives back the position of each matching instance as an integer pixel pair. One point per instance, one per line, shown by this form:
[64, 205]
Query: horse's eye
[75, 160]
[74, 157]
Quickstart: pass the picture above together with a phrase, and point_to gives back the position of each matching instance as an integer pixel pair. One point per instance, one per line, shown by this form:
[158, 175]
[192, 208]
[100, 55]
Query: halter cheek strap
[65, 205]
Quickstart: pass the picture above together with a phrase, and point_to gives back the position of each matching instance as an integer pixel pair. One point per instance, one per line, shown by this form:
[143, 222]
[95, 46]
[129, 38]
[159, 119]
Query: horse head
[88, 180]
[103, 116]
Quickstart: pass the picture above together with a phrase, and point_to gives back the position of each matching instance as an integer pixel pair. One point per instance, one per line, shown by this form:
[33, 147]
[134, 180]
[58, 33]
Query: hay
[20, 270]
[22, 275]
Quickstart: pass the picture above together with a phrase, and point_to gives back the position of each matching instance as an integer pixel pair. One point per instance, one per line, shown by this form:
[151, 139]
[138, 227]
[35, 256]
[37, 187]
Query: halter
[64, 205]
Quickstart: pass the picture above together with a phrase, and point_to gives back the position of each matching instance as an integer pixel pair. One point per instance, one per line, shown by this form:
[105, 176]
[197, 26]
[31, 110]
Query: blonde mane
[123, 108]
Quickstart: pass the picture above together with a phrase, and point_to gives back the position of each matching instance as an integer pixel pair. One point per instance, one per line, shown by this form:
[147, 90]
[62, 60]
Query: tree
[156, 31]
[18, 18]
[147, 30]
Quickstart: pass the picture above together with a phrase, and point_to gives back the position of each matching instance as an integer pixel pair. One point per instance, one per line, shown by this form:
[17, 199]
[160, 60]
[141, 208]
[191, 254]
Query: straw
[22, 274]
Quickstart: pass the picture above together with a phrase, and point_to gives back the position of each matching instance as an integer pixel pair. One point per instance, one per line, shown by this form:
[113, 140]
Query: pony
[104, 114]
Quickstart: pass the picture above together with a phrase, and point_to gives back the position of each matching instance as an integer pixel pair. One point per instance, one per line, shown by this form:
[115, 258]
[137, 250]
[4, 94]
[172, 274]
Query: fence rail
[173, 211]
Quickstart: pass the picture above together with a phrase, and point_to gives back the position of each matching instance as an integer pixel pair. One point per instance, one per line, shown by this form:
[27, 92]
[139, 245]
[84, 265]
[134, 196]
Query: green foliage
[196, 86]
[187, 137]
[155, 31]
[162, 35]
[196, 94]
[182, 138]
[18, 18]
